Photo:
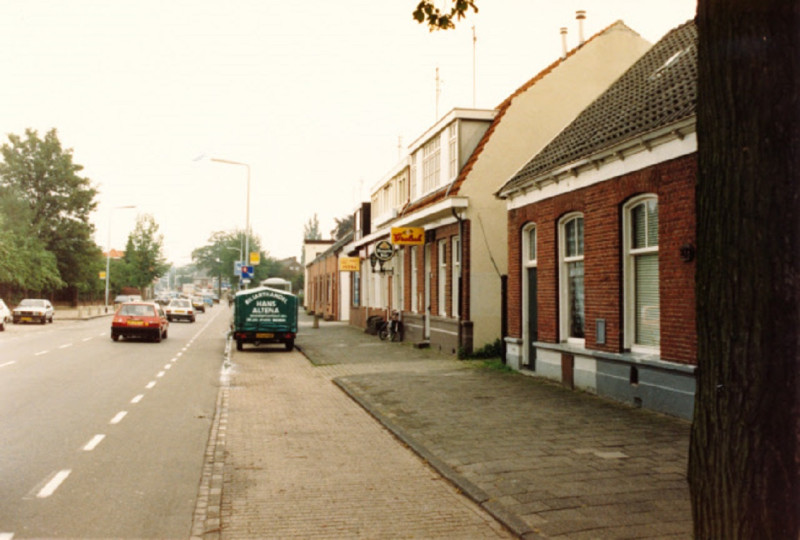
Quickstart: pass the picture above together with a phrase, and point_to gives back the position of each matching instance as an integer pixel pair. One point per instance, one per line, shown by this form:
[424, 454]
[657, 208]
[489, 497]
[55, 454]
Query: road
[104, 439]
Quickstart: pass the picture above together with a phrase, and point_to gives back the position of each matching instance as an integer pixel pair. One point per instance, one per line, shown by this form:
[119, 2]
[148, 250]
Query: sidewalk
[545, 461]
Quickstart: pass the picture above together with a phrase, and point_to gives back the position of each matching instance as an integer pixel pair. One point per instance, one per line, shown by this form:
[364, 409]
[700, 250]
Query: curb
[476, 494]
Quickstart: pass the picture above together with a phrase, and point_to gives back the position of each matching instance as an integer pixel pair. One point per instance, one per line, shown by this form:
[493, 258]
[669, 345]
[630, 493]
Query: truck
[264, 315]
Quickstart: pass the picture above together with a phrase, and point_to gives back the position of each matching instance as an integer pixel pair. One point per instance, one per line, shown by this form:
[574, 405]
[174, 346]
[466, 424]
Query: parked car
[180, 308]
[33, 310]
[5, 315]
[145, 320]
[198, 304]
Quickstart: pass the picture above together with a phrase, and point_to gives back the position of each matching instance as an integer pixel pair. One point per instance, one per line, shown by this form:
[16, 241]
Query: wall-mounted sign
[384, 250]
[408, 236]
[349, 264]
[255, 258]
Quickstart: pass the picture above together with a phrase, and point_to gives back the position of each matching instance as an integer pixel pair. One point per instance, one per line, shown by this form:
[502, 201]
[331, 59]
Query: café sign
[384, 250]
[349, 264]
[408, 236]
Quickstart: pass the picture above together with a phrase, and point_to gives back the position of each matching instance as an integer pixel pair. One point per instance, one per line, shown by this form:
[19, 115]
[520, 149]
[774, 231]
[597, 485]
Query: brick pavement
[544, 461]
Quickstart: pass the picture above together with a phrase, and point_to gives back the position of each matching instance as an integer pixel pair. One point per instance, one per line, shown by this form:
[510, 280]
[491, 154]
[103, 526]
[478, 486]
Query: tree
[218, 256]
[311, 229]
[343, 226]
[43, 175]
[744, 462]
[143, 253]
[428, 12]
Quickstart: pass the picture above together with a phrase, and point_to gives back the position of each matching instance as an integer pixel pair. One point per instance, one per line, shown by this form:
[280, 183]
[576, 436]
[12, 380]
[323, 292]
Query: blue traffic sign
[247, 272]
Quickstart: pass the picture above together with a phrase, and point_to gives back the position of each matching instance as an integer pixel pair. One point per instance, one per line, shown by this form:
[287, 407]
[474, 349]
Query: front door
[533, 318]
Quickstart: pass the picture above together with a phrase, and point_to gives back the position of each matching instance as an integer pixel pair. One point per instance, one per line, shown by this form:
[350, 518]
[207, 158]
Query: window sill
[628, 358]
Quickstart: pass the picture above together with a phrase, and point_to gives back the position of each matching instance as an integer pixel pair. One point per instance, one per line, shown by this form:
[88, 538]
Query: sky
[317, 97]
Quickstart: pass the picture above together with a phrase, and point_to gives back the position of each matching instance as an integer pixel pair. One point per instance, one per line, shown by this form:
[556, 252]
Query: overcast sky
[313, 95]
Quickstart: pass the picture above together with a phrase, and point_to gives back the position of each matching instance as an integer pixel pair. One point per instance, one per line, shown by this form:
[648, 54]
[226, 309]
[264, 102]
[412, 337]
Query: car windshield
[137, 310]
[32, 303]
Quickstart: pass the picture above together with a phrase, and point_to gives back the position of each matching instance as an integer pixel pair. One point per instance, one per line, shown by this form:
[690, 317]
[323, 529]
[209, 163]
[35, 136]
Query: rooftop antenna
[438, 91]
[474, 65]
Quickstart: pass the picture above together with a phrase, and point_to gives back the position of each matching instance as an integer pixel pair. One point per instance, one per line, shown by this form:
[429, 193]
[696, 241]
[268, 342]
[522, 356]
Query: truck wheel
[239, 345]
[290, 345]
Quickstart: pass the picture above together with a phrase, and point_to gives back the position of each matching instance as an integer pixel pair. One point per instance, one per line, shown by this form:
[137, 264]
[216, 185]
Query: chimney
[563, 42]
[580, 15]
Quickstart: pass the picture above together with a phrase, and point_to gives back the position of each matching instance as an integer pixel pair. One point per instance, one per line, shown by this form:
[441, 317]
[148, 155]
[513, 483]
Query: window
[356, 289]
[430, 164]
[456, 268]
[442, 277]
[398, 281]
[452, 149]
[642, 306]
[414, 306]
[530, 246]
[412, 181]
[572, 292]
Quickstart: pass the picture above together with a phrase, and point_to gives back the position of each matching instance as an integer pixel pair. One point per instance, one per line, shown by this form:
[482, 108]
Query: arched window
[572, 294]
[642, 306]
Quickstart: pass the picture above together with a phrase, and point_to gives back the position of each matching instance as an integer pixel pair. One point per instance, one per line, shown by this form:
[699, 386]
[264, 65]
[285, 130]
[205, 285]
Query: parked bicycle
[391, 329]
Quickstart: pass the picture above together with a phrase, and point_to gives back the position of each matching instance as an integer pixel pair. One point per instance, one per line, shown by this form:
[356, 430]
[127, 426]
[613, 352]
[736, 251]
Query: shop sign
[408, 236]
[349, 264]
[384, 250]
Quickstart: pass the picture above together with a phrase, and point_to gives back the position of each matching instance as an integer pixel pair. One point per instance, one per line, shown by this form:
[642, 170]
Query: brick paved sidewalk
[546, 461]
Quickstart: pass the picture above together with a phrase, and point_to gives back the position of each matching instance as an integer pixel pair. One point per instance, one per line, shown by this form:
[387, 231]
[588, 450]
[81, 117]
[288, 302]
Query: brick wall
[601, 204]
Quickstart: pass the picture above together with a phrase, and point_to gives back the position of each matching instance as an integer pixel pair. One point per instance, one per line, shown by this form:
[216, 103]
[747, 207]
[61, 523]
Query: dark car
[33, 310]
[144, 320]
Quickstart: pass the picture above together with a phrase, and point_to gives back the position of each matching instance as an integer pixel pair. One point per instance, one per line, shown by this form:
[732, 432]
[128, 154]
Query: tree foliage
[311, 229]
[223, 249]
[57, 203]
[429, 13]
[343, 226]
[143, 260]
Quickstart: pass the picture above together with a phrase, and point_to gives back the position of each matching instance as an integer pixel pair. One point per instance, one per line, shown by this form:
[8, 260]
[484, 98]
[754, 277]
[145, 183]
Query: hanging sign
[349, 264]
[408, 236]
[384, 250]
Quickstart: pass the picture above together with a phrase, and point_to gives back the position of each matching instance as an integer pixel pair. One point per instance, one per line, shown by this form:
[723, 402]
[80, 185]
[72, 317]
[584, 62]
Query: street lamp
[108, 253]
[247, 214]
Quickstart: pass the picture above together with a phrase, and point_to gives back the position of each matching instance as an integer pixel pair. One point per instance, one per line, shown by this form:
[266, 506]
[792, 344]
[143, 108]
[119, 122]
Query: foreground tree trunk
[744, 457]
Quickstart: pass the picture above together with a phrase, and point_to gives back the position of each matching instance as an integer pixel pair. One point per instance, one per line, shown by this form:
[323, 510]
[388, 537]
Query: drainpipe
[460, 273]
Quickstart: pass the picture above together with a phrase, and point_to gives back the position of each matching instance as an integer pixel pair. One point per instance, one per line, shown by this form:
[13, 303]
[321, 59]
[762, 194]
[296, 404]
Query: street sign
[384, 250]
[247, 272]
[255, 258]
[237, 268]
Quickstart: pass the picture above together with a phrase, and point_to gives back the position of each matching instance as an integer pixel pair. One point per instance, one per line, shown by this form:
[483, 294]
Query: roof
[659, 90]
[453, 188]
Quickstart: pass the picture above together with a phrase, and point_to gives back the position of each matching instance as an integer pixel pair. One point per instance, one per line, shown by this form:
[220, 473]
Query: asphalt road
[104, 439]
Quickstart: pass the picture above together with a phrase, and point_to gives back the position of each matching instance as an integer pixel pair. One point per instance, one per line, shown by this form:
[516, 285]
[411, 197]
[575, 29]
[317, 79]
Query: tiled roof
[452, 190]
[660, 89]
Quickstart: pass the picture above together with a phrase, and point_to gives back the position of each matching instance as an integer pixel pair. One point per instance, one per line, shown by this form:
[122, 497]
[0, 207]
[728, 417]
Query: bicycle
[391, 329]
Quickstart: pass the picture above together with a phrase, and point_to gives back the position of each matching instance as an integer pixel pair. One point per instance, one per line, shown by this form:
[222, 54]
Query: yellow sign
[255, 258]
[102, 275]
[349, 264]
[408, 236]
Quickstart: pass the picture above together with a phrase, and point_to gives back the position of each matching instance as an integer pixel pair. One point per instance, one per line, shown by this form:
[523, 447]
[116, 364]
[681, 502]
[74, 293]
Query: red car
[140, 320]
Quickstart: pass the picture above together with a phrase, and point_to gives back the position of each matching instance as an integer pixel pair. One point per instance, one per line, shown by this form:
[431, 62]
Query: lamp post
[108, 253]
[247, 213]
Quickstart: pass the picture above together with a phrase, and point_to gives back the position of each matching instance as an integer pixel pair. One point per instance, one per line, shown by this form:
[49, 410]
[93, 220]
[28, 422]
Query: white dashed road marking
[118, 418]
[6, 536]
[40, 353]
[4, 365]
[137, 399]
[150, 385]
[91, 445]
[160, 374]
[51, 486]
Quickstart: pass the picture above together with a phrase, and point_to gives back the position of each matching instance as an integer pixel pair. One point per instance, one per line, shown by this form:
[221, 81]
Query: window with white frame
[431, 164]
[412, 180]
[456, 268]
[572, 293]
[442, 277]
[400, 192]
[398, 281]
[414, 306]
[642, 305]
[452, 149]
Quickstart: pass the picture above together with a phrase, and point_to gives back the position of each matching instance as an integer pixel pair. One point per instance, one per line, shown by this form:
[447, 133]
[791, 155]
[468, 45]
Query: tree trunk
[744, 455]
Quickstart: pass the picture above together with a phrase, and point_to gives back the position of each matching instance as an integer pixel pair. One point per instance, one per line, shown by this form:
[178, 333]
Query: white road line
[64, 346]
[160, 374]
[137, 399]
[86, 339]
[174, 359]
[53, 484]
[150, 385]
[91, 445]
[4, 365]
[101, 334]
[118, 418]
[178, 355]
[40, 353]
[6, 536]
[168, 366]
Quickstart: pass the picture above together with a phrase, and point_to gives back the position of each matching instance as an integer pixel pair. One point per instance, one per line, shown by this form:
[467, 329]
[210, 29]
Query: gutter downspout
[460, 273]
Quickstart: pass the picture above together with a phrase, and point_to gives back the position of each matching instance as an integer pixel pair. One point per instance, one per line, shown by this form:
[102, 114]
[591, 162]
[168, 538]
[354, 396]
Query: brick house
[601, 232]
[449, 288]
[328, 289]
